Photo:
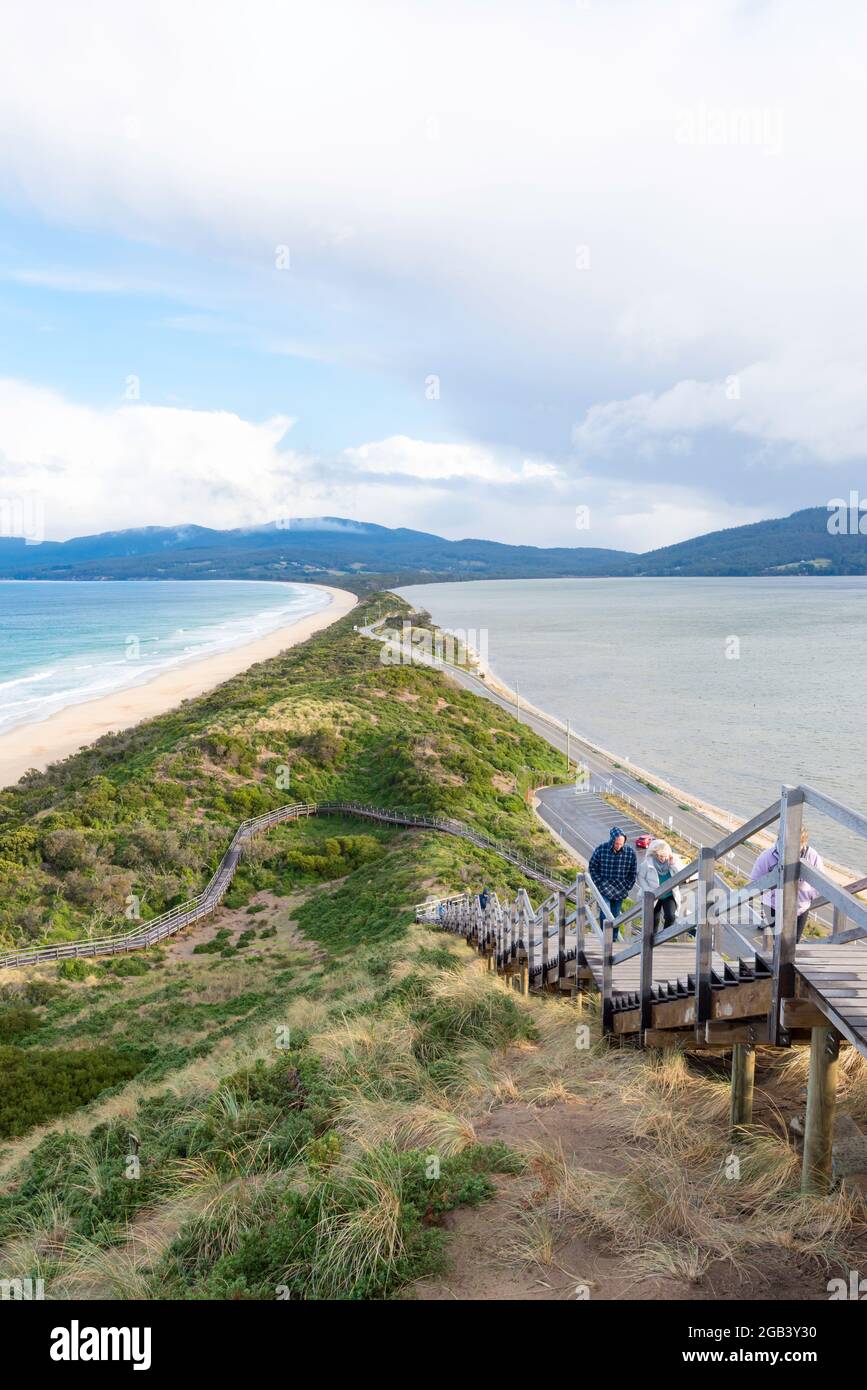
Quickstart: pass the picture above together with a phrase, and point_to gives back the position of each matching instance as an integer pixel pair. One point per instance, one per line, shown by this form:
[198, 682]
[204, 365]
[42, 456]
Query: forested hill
[798, 544]
[362, 555]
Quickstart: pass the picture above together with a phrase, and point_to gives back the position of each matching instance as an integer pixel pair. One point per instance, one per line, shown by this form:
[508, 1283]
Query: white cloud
[435, 172]
[135, 465]
[452, 158]
[138, 465]
[798, 402]
[416, 458]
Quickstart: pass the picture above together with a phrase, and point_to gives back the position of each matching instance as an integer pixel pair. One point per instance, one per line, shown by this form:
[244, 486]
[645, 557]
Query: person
[613, 868]
[768, 861]
[658, 865]
[483, 898]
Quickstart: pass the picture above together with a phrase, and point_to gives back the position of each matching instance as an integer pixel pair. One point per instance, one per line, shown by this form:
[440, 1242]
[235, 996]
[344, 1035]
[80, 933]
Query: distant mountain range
[363, 556]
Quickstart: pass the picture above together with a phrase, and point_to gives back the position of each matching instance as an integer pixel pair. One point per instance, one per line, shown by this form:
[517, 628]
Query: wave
[26, 680]
[99, 668]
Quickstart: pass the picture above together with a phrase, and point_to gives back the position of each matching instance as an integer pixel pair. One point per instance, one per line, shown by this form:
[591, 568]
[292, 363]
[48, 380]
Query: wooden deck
[834, 977]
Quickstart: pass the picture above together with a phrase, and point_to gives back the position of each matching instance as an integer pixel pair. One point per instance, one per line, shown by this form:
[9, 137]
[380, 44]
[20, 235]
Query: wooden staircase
[708, 981]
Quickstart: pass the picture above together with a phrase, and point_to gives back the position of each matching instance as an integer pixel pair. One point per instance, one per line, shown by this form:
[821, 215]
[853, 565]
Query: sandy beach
[64, 733]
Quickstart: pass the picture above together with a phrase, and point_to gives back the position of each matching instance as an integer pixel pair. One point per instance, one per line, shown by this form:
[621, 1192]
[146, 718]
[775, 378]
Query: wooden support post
[646, 966]
[821, 1104]
[608, 976]
[743, 1083]
[523, 974]
[545, 922]
[786, 920]
[704, 940]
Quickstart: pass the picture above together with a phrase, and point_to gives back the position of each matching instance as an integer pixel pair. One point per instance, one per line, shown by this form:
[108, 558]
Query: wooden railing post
[786, 918]
[646, 963]
[545, 920]
[704, 940]
[561, 936]
[580, 914]
[608, 976]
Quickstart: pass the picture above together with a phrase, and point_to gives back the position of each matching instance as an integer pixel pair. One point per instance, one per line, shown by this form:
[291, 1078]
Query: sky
[563, 272]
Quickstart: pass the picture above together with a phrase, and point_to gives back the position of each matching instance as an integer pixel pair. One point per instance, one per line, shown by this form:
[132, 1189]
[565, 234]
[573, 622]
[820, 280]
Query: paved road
[603, 772]
[579, 818]
[584, 818]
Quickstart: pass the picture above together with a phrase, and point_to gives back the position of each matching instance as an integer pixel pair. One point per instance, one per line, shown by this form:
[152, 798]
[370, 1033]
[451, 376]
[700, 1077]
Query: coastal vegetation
[312, 1096]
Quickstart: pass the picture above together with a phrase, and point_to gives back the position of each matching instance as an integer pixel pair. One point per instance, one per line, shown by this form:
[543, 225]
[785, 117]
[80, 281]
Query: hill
[367, 557]
[309, 1095]
[303, 549]
[796, 544]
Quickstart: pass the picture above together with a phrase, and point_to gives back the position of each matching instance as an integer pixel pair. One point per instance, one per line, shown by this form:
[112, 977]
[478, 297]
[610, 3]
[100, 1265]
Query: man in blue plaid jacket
[613, 869]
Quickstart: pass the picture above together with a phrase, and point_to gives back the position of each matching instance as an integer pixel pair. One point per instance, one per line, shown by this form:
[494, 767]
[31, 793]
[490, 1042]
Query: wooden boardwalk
[707, 981]
[187, 914]
[711, 980]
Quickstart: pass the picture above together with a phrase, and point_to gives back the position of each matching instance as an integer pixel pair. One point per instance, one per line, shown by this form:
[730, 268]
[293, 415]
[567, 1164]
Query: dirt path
[271, 912]
[487, 1261]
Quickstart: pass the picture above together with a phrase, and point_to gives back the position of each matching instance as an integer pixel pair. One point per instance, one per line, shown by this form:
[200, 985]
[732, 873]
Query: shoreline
[725, 820]
[69, 730]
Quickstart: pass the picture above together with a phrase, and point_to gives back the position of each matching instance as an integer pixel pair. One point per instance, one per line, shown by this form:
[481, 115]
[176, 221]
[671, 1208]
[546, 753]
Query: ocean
[62, 643]
[725, 687]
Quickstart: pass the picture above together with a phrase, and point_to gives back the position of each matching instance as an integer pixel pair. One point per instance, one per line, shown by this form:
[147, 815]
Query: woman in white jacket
[659, 864]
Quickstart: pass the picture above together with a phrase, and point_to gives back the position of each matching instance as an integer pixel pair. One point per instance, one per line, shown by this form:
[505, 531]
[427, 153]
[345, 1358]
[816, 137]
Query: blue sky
[470, 269]
[83, 311]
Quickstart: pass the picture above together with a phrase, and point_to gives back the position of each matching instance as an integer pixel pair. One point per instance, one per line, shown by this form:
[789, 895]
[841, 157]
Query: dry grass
[406, 1126]
[672, 1209]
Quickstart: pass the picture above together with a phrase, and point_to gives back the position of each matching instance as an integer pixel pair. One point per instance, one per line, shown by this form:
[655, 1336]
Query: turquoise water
[648, 668]
[65, 642]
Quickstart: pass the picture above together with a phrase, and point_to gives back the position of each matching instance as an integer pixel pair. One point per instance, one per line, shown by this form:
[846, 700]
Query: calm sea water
[647, 668]
[62, 643]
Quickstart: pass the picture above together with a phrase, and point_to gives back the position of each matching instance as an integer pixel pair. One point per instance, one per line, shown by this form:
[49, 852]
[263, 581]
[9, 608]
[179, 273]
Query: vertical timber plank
[786, 922]
[646, 964]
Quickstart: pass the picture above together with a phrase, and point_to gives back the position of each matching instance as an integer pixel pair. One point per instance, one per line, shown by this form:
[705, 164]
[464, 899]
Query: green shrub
[128, 965]
[36, 1086]
[325, 1242]
[16, 1023]
[74, 969]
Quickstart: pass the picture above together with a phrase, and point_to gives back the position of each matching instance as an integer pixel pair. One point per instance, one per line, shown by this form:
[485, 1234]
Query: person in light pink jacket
[768, 861]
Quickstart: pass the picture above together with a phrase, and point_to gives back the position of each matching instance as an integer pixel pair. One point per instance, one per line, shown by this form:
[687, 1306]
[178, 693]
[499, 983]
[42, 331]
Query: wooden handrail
[184, 914]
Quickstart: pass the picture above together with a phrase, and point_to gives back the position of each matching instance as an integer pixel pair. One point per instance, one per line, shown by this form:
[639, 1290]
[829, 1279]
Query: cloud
[415, 458]
[598, 212]
[133, 464]
[137, 465]
[75, 282]
[797, 402]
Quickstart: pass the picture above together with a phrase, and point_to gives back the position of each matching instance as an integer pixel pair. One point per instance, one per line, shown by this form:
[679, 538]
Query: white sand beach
[63, 733]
